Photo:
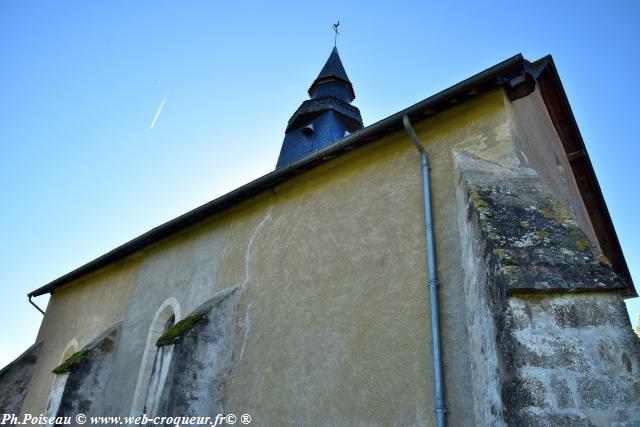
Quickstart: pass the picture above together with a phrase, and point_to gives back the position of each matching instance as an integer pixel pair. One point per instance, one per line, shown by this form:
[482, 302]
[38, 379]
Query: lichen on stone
[582, 245]
[603, 260]
[507, 261]
[480, 204]
[532, 239]
[171, 336]
[556, 212]
[66, 366]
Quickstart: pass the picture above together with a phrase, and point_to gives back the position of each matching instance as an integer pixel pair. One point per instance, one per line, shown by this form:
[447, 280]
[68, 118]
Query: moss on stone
[571, 225]
[582, 245]
[171, 336]
[564, 215]
[480, 204]
[556, 212]
[70, 362]
[507, 261]
[552, 254]
[604, 261]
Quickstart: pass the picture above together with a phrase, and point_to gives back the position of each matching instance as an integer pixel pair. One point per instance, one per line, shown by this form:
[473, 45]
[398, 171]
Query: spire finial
[337, 33]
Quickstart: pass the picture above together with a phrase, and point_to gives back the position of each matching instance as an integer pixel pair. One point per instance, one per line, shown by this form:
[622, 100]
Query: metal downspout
[440, 406]
[34, 304]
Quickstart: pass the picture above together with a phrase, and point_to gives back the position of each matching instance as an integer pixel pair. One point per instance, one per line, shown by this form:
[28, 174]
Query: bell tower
[324, 118]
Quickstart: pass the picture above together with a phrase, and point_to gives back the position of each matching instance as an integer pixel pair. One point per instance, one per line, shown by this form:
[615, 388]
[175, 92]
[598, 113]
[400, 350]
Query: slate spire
[325, 118]
[333, 71]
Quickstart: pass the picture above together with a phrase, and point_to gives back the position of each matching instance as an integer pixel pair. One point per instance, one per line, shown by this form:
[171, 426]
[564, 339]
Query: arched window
[60, 380]
[159, 373]
[166, 316]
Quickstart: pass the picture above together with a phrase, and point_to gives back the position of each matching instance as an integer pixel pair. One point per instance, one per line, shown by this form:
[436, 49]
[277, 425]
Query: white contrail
[155, 118]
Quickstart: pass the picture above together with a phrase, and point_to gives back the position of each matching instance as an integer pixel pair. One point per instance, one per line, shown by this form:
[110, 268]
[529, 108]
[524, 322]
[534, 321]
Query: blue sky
[81, 83]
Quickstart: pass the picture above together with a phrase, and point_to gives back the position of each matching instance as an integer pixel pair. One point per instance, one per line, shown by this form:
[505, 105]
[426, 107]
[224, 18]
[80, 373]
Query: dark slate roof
[333, 69]
[318, 105]
[329, 127]
[510, 74]
[329, 113]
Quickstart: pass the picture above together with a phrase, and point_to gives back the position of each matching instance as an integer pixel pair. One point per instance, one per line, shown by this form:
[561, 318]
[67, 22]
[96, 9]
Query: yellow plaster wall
[79, 311]
[333, 322]
[337, 299]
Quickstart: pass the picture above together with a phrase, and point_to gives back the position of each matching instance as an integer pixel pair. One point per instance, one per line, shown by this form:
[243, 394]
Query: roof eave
[491, 77]
[561, 114]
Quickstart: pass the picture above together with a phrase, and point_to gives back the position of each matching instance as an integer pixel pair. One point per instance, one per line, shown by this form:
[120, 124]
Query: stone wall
[15, 378]
[551, 340]
[573, 360]
[202, 359]
[84, 387]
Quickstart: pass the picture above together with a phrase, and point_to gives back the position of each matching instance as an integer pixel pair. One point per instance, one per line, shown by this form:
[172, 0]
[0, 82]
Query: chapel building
[453, 263]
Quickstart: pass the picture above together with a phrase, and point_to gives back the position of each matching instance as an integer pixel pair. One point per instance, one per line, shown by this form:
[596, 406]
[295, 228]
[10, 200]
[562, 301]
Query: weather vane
[337, 33]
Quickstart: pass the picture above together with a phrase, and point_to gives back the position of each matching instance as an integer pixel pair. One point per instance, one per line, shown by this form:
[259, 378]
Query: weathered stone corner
[15, 378]
[201, 359]
[551, 343]
[89, 371]
[174, 334]
[532, 242]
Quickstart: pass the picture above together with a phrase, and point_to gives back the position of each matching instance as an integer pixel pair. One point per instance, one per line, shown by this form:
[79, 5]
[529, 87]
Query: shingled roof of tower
[333, 69]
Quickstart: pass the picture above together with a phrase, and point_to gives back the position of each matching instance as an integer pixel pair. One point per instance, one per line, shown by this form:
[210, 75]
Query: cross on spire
[337, 33]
